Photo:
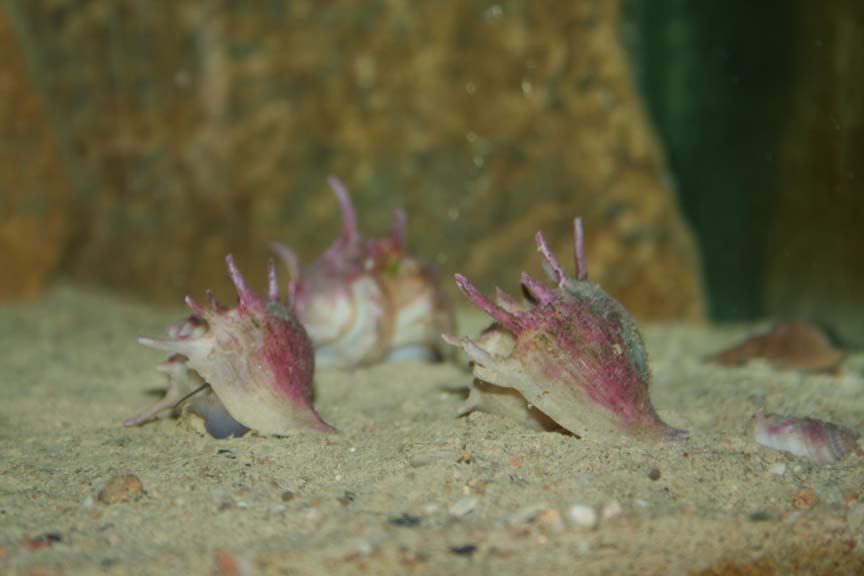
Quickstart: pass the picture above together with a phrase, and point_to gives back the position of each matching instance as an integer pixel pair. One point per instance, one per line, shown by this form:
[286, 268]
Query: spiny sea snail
[365, 300]
[253, 364]
[572, 355]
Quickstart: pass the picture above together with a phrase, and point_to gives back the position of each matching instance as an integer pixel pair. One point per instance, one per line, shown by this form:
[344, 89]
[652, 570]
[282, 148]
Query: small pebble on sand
[527, 514]
[583, 516]
[121, 488]
[611, 509]
[405, 520]
[45, 540]
[464, 550]
[463, 507]
[803, 499]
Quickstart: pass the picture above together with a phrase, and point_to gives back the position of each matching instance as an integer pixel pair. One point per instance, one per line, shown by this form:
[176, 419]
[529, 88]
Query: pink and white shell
[573, 353]
[256, 359]
[365, 300]
[819, 441]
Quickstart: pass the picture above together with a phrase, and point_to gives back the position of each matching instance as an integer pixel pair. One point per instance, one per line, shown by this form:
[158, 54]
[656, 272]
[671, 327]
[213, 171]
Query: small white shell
[820, 442]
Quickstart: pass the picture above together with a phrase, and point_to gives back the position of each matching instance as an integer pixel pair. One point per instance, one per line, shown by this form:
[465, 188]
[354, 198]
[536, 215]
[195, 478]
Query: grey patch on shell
[282, 312]
[636, 353]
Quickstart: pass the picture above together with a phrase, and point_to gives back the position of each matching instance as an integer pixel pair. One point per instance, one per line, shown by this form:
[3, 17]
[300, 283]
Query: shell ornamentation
[500, 400]
[820, 442]
[253, 365]
[187, 390]
[365, 300]
[573, 354]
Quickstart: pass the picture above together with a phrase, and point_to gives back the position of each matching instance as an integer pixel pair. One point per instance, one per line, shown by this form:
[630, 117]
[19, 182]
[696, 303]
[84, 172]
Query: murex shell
[247, 367]
[366, 300]
[820, 442]
[571, 355]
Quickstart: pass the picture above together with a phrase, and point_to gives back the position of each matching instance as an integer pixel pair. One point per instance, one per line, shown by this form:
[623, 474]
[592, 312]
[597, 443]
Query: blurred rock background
[189, 130]
[760, 107]
[35, 196]
[144, 140]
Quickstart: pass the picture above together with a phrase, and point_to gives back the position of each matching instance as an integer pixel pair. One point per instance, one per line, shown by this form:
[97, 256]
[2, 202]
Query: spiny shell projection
[254, 362]
[366, 300]
[820, 442]
[500, 400]
[573, 353]
[187, 390]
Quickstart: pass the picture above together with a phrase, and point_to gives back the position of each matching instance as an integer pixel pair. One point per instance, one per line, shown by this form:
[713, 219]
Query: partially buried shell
[186, 390]
[571, 353]
[501, 400]
[820, 442]
[247, 367]
[798, 345]
[366, 300]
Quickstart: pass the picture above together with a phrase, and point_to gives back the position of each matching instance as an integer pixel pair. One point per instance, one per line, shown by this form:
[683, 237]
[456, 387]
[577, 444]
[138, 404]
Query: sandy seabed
[406, 487]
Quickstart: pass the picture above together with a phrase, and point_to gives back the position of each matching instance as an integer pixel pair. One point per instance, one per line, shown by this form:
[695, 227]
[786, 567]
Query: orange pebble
[803, 499]
[226, 564]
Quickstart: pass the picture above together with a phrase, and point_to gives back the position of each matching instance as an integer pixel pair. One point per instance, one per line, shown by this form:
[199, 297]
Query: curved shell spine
[256, 358]
[493, 399]
[818, 441]
[366, 300]
[186, 390]
[576, 356]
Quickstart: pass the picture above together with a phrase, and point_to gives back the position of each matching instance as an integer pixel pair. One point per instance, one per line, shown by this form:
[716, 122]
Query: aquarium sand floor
[406, 487]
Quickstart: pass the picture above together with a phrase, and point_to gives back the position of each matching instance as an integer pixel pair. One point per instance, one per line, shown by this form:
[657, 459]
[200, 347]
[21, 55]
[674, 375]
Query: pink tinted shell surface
[364, 300]
[819, 441]
[255, 357]
[576, 354]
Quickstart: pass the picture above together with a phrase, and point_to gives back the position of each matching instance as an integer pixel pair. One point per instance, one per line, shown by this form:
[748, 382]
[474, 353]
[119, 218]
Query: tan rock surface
[34, 194]
[485, 121]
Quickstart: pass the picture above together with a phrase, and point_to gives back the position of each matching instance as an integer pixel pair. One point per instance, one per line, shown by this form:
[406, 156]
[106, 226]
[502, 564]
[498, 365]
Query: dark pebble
[760, 516]
[405, 520]
[287, 496]
[45, 540]
[464, 550]
[654, 474]
[227, 453]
